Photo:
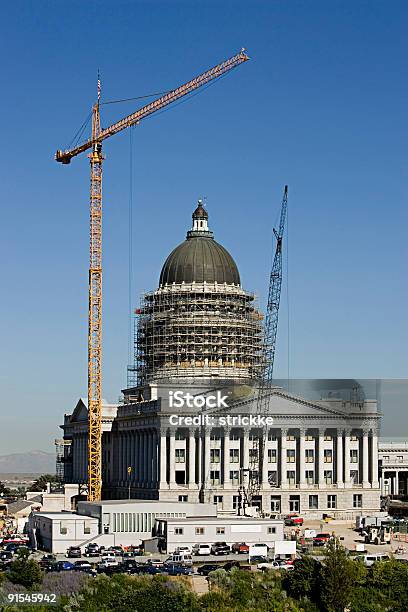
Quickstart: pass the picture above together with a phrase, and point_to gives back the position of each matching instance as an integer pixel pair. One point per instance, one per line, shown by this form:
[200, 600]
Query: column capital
[302, 431]
[284, 431]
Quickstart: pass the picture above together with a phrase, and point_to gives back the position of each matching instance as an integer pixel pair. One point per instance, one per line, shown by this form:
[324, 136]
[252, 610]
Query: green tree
[339, 576]
[303, 581]
[4, 490]
[26, 572]
[390, 580]
[41, 483]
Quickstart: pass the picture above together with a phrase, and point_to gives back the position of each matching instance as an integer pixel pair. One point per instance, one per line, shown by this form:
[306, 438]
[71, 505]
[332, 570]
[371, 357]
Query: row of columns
[138, 450]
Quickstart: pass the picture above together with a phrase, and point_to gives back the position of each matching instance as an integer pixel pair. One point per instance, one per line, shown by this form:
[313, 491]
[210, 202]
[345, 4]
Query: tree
[339, 576]
[303, 581]
[26, 572]
[4, 491]
[41, 483]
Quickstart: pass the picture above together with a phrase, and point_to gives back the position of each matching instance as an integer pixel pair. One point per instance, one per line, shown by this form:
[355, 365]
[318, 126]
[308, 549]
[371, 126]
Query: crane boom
[95, 266]
[170, 97]
[268, 352]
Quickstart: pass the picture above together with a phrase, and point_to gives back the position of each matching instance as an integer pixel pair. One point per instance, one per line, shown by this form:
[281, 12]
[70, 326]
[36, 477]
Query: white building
[57, 531]
[393, 458]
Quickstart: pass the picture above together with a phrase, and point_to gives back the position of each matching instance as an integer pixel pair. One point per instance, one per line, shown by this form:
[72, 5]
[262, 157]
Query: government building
[189, 428]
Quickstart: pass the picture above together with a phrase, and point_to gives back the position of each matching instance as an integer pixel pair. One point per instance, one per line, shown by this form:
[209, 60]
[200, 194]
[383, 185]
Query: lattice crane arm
[172, 96]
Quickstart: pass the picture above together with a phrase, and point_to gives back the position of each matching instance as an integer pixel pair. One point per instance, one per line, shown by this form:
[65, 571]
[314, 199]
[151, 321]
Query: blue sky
[321, 106]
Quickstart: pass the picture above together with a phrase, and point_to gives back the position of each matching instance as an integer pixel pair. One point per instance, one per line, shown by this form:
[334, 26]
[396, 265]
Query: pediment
[80, 412]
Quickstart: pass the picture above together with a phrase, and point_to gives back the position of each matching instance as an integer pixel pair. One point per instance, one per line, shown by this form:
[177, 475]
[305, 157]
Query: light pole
[129, 471]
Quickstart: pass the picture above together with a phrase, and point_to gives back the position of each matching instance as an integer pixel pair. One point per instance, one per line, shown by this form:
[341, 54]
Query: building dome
[199, 258]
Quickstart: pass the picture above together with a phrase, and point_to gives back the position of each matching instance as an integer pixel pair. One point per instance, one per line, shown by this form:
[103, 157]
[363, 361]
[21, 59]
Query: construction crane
[268, 357]
[94, 145]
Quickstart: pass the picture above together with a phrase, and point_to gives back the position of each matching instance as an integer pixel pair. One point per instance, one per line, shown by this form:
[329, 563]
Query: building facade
[187, 429]
[393, 463]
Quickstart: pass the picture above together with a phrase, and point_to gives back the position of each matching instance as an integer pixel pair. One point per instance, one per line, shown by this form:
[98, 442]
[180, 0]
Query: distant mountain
[31, 462]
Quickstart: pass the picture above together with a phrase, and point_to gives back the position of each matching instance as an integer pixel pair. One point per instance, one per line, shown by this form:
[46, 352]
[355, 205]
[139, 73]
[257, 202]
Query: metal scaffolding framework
[197, 330]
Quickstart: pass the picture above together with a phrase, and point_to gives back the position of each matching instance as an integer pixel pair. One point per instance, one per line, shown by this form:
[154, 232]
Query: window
[199, 530]
[353, 455]
[253, 453]
[386, 458]
[291, 456]
[234, 436]
[294, 503]
[253, 475]
[309, 455]
[271, 455]
[183, 498]
[309, 438]
[309, 474]
[180, 455]
[332, 502]
[271, 529]
[275, 503]
[273, 478]
[328, 438]
[353, 438]
[328, 476]
[180, 435]
[218, 500]
[87, 528]
[328, 455]
[178, 530]
[291, 477]
[253, 437]
[234, 455]
[313, 502]
[215, 436]
[272, 437]
[220, 530]
[215, 455]
[400, 458]
[235, 501]
[63, 529]
[215, 477]
[354, 476]
[234, 476]
[357, 500]
[290, 438]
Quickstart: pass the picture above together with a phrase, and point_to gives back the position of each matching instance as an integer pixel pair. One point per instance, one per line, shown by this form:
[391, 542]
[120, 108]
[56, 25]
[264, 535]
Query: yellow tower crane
[94, 144]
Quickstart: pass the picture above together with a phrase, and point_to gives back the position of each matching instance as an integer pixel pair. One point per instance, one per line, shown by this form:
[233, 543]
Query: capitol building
[184, 431]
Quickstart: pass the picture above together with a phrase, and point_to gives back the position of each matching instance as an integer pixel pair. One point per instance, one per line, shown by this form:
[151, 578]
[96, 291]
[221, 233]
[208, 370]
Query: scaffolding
[196, 330]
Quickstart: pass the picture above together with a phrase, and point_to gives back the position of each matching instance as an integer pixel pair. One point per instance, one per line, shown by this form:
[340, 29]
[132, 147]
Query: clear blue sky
[321, 106]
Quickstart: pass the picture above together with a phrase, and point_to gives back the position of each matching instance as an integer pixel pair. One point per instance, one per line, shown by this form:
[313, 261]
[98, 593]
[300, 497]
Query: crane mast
[268, 355]
[95, 267]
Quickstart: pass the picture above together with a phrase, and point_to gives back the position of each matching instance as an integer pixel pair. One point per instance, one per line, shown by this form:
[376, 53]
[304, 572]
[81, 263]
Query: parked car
[204, 570]
[240, 548]
[117, 550]
[155, 562]
[92, 550]
[6, 557]
[267, 565]
[183, 550]
[293, 520]
[109, 559]
[372, 558]
[80, 565]
[12, 547]
[47, 559]
[180, 559]
[73, 552]
[177, 570]
[201, 549]
[321, 539]
[259, 559]
[220, 548]
[62, 566]
[15, 538]
[230, 564]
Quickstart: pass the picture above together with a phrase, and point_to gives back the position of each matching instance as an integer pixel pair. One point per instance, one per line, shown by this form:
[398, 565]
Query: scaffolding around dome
[196, 330]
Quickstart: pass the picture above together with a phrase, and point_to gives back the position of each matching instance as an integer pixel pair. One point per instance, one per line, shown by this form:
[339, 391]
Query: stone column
[207, 444]
[321, 463]
[172, 460]
[374, 460]
[283, 467]
[339, 460]
[200, 458]
[396, 483]
[154, 459]
[149, 457]
[163, 459]
[144, 457]
[191, 459]
[302, 458]
[265, 482]
[226, 457]
[347, 480]
[245, 450]
[366, 483]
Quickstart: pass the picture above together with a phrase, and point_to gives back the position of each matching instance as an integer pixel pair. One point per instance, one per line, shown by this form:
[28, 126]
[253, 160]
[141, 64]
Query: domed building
[200, 322]
[198, 337]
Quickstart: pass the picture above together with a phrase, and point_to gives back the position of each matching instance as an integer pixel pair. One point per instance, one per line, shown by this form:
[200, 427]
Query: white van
[180, 559]
[201, 549]
[371, 558]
